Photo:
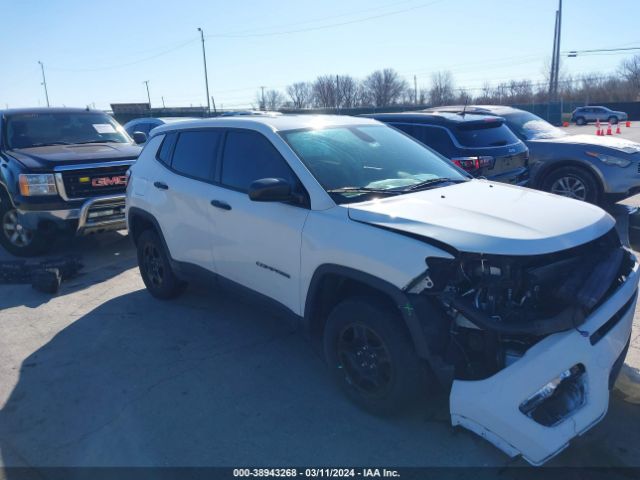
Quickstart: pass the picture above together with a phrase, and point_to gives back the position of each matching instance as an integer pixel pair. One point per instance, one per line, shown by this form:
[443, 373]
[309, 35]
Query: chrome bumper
[95, 214]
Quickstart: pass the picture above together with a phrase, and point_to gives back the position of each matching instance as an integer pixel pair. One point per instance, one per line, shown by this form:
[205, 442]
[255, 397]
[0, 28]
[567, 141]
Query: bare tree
[300, 94]
[630, 71]
[324, 91]
[441, 91]
[347, 91]
[384, 87]
[273, 99]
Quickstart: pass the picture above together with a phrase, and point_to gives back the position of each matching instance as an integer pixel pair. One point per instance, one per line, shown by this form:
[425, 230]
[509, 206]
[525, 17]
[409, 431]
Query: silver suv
[584, 115]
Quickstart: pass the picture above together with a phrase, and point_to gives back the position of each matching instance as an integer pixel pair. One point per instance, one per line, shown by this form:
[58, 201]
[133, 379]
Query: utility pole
[44, 82]
[163, 106]
[262, 104]
[206, 76]
[415, 89]
[213, 102]
[555, 59]
[337, 93]
[146, 82]
[558, 49]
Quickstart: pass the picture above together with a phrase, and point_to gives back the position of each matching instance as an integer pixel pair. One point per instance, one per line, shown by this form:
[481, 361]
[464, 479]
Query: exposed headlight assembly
[609, 159]
[37, 184]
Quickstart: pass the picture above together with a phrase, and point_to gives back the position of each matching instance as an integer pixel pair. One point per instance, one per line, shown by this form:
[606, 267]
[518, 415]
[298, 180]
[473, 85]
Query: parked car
[62, 169]
[146, 124]
[400, 266]
[584, 115]
[482, 145]
[584, 167]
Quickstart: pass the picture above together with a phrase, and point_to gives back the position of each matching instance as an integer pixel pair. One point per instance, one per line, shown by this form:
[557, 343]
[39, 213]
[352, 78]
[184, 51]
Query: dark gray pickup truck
[60, 169]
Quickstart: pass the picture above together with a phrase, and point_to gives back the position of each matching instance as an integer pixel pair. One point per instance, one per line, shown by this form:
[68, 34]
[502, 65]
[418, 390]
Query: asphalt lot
[102, 374]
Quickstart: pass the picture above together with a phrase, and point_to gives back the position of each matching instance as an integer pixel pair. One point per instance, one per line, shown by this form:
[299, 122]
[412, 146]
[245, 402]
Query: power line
[127, 64]
[324, 27]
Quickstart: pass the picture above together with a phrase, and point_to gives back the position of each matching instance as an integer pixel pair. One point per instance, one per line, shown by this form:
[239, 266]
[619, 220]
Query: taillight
[472, 163]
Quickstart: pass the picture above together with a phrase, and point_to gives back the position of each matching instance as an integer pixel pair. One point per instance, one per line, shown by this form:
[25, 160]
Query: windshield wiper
[48, 144]
[363, 190]
[106, 140]
[432, 182]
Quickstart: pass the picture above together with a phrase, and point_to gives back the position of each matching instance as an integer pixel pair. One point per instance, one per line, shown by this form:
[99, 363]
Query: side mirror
[139, 137]
[270, 190]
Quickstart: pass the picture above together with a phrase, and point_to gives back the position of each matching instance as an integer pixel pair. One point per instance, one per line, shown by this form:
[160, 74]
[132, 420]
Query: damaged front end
[530, 344]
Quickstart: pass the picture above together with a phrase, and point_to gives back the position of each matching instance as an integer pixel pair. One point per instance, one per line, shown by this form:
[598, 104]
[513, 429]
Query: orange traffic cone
[628, 123]
[618, 130]
[609, 129]
[598, 123]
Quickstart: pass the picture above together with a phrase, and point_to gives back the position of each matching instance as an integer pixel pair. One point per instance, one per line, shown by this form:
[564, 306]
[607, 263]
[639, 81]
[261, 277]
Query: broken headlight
[558, 399]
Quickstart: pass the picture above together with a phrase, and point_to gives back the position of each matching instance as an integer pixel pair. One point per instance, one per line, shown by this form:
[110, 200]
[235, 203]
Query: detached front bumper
[491, 407]
[93, 215]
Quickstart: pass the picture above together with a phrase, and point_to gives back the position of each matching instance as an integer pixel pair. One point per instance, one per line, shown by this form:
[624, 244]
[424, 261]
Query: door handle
[161, 185]
[219, 204]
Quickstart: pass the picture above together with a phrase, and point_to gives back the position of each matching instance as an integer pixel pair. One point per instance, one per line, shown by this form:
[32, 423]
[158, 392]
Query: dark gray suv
[584, 167]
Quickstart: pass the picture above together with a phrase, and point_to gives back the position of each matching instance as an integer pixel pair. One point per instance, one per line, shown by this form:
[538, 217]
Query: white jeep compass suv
[403, 269]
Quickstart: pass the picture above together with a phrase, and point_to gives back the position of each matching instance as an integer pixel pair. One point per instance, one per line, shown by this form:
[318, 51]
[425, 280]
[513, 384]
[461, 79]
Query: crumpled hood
[486, 217]
[45, 158]
[615, 143]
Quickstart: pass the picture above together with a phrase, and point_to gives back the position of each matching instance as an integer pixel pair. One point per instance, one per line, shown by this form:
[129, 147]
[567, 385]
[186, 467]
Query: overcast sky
[102, 51]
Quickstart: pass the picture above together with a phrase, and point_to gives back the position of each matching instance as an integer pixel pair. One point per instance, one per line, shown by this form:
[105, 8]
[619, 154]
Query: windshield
[42, 129]
[532, 127]
[353, 161]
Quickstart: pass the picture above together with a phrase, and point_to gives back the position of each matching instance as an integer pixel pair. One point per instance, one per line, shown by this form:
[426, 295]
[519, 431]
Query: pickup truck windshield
[27, 130]
[370, 159]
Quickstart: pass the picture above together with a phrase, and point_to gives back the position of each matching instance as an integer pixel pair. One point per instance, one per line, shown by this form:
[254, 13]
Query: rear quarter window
[480, 136]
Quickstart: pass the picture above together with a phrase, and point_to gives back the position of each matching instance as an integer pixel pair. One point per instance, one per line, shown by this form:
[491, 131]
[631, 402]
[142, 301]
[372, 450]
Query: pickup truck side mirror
[270, 190]
[139, 138]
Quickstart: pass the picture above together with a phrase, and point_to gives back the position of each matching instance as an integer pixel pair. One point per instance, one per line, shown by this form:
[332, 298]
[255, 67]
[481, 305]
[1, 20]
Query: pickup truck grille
[94, 182]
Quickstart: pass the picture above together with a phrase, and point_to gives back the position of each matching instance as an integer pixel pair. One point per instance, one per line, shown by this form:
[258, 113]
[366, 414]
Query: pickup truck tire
[572, 182]
[371, 357]
[15, 238]
[155, 267]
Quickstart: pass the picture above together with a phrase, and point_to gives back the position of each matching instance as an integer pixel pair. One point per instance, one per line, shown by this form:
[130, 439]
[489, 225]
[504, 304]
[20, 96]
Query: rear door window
[195, 153]
[491, 134]
[250, 156]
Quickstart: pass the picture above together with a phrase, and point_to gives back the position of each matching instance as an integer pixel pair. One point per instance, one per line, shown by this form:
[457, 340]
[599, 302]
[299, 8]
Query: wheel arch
[139, 220]
[332, 283]
[545, 171]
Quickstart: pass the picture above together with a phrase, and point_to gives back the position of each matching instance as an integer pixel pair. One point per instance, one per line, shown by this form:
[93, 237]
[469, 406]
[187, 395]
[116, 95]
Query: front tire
[580, 121]
[371, 357]
[15, 237]
[155, 267]
[613, 120]
[572, 182]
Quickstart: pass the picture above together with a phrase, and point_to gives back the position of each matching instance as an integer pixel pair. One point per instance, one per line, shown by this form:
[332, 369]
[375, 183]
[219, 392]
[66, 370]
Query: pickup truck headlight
[37, 184]
[610, 160]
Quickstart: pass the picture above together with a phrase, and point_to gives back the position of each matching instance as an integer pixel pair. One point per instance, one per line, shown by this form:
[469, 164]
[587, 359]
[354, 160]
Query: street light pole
[44, 82]
[206, 76]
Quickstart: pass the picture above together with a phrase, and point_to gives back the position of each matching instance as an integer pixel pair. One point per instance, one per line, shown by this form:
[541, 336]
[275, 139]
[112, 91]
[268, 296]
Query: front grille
[93, 182]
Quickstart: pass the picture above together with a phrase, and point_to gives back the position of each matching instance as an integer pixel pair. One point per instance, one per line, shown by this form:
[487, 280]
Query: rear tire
[572, 182]
[371, 357]
[155, 267]
[580, 121]
[17, 239]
